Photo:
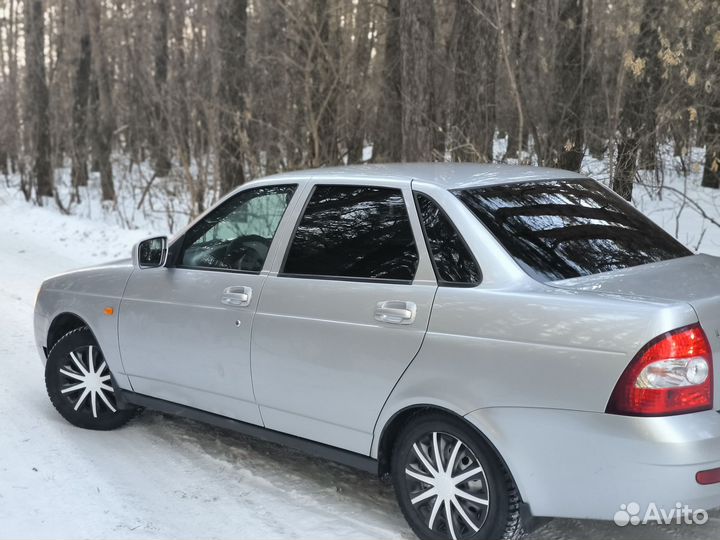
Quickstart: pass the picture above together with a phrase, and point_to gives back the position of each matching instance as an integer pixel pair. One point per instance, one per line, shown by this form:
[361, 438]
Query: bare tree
[231, 20]
[474, 49]
[358, 82]
[711, 168]
[159, 135]
[388, 125]
[633, 119]
[9, 125]
[567, 146]
[105, 114]
[37, 99]
[417, 38]
[710, 60]
[81, 93]
[180, 100]
[514, 50]
[321, 84]
[231, 90]
[272, 106]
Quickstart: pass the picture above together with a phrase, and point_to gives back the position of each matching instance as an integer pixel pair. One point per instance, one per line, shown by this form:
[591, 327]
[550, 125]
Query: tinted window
[354, 232]
[453, 262]
[238, 233]
[568, 228]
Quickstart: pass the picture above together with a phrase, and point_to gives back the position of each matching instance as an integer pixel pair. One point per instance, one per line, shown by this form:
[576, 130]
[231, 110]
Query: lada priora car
[503, 343]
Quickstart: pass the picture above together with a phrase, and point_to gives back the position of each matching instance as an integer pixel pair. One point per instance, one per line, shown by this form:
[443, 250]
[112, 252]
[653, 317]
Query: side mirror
[151, 253]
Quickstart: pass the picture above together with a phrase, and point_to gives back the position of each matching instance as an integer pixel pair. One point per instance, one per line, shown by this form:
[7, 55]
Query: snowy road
[161, 477]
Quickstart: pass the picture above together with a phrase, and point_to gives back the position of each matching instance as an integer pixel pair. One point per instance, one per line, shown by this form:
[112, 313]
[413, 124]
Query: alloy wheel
[447, 486]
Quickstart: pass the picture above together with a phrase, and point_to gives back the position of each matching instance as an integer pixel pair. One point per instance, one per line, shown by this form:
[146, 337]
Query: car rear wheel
[450, 484]
[79, 383]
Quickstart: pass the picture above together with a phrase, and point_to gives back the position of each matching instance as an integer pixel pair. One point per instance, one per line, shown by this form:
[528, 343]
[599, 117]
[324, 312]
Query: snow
[671, 196]
[164, 477]
[159, 477]
[674, 198]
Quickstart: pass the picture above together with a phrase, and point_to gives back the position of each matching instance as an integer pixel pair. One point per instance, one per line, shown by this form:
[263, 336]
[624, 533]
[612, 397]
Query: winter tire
[451, 485]
[79, 383]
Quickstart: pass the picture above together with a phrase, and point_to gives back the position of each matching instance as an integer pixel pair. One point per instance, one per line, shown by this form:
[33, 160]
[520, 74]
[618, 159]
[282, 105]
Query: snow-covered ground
[673, 197]
[163, 477]
[158, 477]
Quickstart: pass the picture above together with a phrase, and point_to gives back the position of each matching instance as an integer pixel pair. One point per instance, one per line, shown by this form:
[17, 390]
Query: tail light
[673, 374]
[711, 476]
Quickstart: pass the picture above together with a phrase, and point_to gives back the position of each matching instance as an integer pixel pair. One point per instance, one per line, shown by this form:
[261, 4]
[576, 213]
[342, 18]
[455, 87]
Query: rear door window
[559, 229]
[354, 232]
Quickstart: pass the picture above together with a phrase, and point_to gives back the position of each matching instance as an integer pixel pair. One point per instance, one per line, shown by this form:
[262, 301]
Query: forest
[206, 95]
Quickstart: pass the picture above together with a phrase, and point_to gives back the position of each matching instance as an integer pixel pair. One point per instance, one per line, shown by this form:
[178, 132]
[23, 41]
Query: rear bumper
[585, 465]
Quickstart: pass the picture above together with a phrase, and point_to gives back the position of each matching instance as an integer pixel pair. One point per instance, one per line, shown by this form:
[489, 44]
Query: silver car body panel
[209, 368]
[693, 280]
[578, 464]
[531, 365]
[514, 347]
[316, 344]
[86, 294]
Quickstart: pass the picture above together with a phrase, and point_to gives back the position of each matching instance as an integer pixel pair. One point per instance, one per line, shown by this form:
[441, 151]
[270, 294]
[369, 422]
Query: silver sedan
[502, 343]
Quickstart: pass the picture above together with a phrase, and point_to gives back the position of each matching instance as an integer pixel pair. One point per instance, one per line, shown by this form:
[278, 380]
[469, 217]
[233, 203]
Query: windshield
[560, 229]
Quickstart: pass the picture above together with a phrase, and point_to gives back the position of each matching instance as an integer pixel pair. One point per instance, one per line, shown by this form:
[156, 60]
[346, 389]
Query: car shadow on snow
[306, 481]
[316, 482]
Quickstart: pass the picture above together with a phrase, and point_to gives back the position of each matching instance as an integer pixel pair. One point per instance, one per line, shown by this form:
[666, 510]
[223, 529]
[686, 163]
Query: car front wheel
[79, 383]
[450, 484]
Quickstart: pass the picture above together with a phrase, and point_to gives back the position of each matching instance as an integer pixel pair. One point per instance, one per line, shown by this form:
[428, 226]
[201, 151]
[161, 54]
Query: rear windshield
[559, 229]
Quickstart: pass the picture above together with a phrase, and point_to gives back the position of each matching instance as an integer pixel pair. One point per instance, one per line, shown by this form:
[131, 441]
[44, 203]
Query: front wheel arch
[76, 373]
[61, 325]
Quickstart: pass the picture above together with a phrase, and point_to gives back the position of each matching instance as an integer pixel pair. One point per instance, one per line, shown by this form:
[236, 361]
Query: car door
[184, 330]
[343, 315]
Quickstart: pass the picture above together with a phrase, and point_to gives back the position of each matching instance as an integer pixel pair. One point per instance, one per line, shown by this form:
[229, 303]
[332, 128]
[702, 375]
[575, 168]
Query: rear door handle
[396, 312]
[236, 296]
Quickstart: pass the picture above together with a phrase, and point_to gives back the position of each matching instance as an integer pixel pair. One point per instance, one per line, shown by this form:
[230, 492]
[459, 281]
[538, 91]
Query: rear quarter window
[560, 229]
[453, 262]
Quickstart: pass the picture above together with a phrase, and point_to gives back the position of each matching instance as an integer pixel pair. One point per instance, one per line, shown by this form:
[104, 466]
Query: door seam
[422, 342]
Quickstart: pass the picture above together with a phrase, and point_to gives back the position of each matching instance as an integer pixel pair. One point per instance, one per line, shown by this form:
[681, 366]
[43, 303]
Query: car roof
[445, 175]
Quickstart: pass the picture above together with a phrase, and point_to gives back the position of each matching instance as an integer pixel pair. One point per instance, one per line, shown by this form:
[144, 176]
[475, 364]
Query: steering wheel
[246, 253]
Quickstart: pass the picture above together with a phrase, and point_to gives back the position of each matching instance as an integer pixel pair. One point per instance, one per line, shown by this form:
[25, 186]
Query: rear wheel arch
[400, 419]
[517, 518]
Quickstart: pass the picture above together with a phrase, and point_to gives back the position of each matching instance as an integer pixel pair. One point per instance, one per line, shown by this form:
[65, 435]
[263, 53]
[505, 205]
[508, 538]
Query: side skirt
[344, 457]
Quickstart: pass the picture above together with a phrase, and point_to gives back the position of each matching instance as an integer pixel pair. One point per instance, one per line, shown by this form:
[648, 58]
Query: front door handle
[237, 296]
[395, 312]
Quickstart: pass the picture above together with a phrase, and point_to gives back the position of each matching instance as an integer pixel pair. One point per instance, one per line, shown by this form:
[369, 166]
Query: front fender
[88, 294]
